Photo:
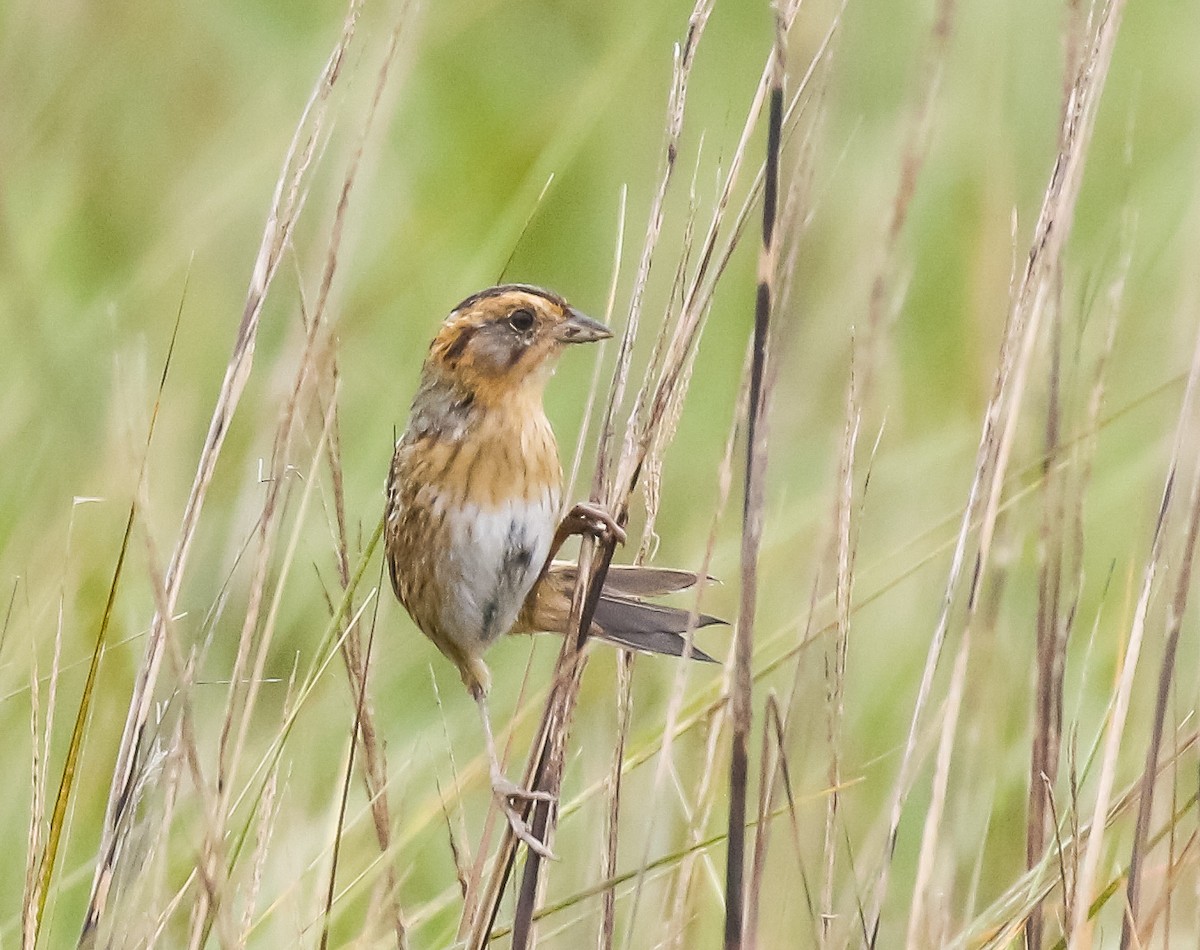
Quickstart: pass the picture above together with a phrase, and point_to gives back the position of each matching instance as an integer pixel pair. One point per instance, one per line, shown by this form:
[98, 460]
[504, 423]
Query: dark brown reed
[752, 512]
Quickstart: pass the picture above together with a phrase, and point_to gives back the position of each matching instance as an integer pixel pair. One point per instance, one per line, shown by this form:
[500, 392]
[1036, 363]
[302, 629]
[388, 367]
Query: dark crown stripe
[502, 289]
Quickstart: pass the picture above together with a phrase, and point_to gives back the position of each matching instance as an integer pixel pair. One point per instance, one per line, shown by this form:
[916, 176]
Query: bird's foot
[507, 793]
[589, 518]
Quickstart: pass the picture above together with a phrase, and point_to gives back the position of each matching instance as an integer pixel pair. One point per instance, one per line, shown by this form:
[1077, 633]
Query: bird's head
[507, 339]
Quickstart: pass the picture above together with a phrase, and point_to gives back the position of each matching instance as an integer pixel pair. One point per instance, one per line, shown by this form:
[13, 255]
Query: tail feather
[651, 628]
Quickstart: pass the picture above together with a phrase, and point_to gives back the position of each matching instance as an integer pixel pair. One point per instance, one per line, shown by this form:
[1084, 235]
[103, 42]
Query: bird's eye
[521, 320]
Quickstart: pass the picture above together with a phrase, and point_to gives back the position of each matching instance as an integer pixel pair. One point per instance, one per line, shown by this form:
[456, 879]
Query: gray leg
[506, 791]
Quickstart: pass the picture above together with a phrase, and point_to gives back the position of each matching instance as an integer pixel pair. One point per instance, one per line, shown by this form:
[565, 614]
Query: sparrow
[474, 502]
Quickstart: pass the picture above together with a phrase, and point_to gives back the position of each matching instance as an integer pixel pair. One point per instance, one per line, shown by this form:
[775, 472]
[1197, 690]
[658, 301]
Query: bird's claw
[509, 790]
[506, 793]
[588, 518]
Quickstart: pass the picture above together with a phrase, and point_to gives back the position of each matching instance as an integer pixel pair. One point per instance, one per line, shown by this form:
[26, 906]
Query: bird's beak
[580, 329]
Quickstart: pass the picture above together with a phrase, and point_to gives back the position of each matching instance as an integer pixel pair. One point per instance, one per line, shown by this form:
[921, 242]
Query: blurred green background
[139, 147]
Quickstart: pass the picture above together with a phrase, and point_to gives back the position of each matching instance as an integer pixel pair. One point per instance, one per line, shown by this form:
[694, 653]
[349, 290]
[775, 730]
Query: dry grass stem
[1031, 297]
[717, 714]
[1115, 733]
[286, 206]
[920, 933]
[912, 161]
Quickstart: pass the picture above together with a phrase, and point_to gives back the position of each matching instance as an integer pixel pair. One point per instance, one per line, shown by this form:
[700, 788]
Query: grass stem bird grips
[474, 497]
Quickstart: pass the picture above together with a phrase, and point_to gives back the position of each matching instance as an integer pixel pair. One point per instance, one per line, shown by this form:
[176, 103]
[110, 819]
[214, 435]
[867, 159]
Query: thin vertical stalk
[752, 516]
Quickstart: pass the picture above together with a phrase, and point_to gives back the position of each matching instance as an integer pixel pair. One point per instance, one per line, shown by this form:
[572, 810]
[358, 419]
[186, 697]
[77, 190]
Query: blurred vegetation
[139, 147]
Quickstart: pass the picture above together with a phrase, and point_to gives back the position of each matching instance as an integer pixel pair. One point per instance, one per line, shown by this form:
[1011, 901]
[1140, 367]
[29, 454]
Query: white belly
[494, 558]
